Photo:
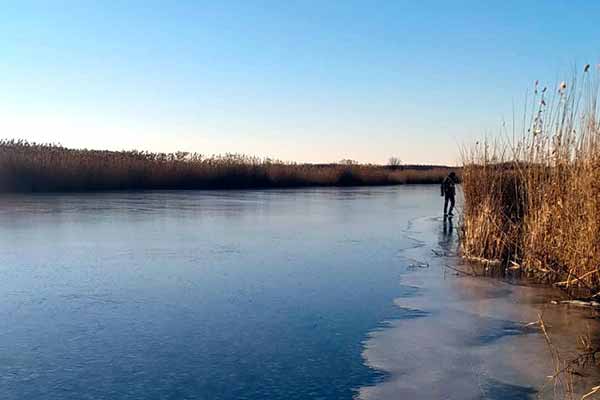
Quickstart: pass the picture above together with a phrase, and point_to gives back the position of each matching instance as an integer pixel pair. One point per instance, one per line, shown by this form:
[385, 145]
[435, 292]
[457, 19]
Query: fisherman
[449, 192]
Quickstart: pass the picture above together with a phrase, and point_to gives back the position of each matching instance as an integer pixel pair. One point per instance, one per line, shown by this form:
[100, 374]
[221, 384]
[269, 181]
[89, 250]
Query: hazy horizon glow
[306, 81]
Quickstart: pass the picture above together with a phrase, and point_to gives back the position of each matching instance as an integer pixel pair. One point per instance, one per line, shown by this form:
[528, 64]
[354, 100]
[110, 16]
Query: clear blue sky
[296, 80]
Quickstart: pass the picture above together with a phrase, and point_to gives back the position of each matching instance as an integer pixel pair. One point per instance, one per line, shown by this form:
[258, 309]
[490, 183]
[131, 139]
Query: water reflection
[447, 242]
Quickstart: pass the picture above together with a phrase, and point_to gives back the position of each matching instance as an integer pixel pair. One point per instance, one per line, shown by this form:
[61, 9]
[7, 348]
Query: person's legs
[451, 205]
[446, 200]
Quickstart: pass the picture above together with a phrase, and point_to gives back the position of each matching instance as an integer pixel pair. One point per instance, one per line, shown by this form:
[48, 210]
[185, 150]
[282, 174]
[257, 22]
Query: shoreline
[216, 189]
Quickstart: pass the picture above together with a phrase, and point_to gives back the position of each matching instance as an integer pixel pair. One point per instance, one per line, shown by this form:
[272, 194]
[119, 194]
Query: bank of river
[281, 294]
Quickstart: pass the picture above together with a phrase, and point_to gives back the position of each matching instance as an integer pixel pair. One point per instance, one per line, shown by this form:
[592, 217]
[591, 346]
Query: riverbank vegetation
[32, 167]
[532, 197]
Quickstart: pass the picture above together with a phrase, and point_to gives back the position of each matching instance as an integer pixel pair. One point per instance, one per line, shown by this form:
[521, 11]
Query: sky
[306, 81]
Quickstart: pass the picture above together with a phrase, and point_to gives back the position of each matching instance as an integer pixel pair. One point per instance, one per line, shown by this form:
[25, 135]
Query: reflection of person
[449, 192]
[446, 239]
[448, 226]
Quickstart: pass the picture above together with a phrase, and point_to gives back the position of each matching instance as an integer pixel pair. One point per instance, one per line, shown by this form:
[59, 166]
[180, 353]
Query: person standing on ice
[449, 192]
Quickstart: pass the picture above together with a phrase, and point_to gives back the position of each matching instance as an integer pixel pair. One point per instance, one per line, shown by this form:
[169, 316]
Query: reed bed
[532, 201]
[33, 167]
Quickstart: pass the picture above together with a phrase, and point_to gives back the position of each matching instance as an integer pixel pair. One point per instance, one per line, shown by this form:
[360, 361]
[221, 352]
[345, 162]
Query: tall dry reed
[533, 201]
[31, 167]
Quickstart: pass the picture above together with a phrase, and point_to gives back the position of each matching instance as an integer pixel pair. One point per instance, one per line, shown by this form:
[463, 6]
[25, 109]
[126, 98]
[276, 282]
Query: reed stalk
[533, 201]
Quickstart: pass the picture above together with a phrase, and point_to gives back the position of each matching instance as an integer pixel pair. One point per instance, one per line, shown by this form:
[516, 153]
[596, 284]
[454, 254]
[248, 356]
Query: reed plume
[533, 201]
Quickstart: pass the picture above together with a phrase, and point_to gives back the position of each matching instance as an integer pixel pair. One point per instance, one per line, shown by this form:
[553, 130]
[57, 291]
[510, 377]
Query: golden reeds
[533, 202]
[32, 167]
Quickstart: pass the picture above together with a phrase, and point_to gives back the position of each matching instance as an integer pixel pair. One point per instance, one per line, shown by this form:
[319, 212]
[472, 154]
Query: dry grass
[31, 167]
[533, 202]
[570, 368]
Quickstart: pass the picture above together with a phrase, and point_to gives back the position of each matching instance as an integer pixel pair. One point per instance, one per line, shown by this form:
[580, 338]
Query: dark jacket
[449, 186]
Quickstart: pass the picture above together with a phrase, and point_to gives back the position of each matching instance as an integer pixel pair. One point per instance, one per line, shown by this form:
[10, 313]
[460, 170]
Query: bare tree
[394, 162]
